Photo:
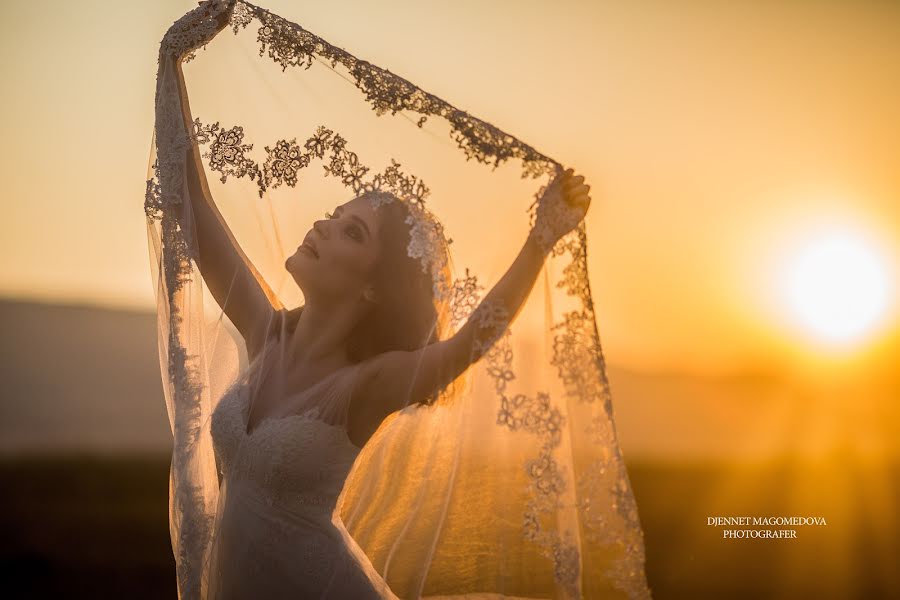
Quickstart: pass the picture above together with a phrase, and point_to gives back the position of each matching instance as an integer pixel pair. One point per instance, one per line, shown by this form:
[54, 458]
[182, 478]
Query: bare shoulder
[372, 398]
[399, 378]
[376, 375]
[369, 375]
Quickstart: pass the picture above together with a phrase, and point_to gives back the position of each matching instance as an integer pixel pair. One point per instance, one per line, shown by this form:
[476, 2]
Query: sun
[837, 287]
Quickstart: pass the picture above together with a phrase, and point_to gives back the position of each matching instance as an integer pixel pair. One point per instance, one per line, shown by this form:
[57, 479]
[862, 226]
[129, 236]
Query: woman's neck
[321, 333]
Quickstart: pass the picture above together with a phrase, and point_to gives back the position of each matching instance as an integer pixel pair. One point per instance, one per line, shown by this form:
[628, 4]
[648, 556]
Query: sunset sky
[744, 160]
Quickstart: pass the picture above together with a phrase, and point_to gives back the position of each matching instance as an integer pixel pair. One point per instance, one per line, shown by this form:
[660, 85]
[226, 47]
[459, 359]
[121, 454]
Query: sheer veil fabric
[510, 483]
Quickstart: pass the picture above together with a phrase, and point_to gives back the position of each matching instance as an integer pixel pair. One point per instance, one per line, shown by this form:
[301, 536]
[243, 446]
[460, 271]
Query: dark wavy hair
[404, 315]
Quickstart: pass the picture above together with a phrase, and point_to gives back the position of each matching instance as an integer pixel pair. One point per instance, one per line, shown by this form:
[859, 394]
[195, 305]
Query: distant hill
[88, 379]
[77, 377]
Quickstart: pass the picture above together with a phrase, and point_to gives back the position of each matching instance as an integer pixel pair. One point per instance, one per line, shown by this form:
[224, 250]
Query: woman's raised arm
[395, 379]
[232, 279]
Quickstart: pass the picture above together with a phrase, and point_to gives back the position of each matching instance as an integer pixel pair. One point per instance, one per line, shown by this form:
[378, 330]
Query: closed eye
[353, 230]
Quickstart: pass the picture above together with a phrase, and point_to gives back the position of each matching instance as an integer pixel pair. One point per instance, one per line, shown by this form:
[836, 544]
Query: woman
[323, 377]
[372, 338]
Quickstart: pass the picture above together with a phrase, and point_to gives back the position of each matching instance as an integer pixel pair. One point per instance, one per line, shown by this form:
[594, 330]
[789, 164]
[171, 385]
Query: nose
[321, 228]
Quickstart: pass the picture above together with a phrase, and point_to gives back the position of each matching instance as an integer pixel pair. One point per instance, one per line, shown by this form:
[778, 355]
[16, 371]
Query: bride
[392, 436]
[323, 377]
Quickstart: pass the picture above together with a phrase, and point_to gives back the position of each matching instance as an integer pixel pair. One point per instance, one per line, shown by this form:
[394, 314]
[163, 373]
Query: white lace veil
[511, 483]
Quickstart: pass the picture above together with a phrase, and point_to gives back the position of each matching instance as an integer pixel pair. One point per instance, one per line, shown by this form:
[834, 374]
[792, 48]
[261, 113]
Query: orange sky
[710, 134]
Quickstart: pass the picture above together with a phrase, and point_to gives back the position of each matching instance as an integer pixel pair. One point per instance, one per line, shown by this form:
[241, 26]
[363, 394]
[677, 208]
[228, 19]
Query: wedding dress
[279, 535]
[510, 483]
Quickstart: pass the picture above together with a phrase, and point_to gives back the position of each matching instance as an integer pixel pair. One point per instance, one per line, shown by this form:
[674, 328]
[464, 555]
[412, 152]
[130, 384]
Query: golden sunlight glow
[837, 287]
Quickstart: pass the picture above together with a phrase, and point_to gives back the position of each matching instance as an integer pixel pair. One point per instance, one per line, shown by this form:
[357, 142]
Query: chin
[295, 269]
[303, 270]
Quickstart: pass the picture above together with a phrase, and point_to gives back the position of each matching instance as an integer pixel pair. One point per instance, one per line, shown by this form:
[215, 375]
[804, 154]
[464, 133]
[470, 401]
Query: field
[97, 528]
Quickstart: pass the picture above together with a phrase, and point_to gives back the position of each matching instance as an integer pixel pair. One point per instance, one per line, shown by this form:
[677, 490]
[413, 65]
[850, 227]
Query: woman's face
[336, 257]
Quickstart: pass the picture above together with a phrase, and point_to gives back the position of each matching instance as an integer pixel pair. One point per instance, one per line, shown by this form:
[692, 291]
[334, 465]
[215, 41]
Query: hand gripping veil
[510, 482]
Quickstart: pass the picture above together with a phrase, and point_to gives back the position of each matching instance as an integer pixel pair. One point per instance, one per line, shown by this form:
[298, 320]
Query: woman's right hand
[224, 17]
[197, 28]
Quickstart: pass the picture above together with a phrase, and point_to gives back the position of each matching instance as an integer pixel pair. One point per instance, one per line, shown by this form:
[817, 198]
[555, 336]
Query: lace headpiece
[427, 241]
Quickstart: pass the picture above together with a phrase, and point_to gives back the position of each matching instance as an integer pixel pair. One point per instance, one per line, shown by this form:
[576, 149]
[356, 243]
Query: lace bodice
[298, 460]
[280, 533]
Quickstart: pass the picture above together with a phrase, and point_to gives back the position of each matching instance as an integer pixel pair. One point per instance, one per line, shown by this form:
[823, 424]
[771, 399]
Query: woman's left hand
[560, 209]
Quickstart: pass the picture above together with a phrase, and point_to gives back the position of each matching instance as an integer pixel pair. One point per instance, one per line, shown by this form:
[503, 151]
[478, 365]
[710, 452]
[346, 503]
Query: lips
[310, 245]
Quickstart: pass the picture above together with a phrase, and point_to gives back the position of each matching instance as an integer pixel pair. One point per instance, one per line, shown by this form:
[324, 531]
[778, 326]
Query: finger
[584, 203]
[579, 198]
[578, 189]
[574, 181]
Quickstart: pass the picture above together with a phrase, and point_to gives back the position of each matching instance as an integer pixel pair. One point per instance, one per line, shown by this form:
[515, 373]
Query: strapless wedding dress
[280, 534]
